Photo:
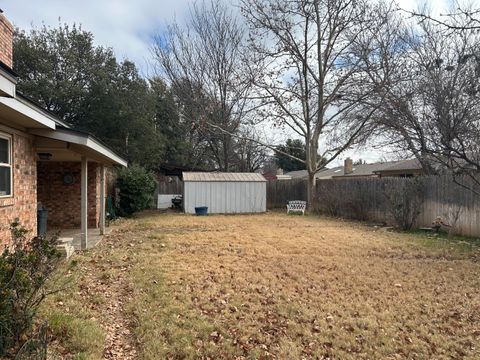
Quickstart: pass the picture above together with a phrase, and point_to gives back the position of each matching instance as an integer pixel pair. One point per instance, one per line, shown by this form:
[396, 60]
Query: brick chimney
[348, 166]
[6, 41]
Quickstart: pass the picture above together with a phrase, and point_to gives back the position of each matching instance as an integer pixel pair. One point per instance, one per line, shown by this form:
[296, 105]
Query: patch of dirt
[105, 286]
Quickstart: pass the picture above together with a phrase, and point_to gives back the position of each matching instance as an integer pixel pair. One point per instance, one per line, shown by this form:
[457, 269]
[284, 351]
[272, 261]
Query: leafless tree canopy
[460, 17]
[310, 78]
[204, 63]
[333, 72]
[431, 106]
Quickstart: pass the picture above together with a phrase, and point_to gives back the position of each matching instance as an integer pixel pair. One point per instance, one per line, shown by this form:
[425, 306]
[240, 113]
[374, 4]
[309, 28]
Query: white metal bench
[296, 205]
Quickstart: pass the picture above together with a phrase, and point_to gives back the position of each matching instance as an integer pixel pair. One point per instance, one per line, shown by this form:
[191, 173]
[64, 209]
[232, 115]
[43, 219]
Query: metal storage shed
[224, 193]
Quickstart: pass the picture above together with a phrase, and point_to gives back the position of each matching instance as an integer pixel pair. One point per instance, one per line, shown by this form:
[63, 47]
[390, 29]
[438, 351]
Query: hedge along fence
[388, 199]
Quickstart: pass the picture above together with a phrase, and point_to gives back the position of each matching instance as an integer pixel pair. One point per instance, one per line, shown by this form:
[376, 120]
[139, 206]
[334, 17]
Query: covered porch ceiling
[71, 145]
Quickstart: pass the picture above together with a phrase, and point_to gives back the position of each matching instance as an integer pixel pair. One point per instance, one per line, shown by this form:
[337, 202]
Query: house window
[5, 165]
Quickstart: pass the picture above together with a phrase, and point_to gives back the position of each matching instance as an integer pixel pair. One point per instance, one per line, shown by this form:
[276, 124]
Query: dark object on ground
[177, 202]
[428, 229]
[201, 210]
[42, 215]
[111, 215]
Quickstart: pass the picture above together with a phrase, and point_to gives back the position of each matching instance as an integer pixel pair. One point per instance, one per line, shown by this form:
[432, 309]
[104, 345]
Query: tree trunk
[310, 190]
[226, 144]
[311, 162]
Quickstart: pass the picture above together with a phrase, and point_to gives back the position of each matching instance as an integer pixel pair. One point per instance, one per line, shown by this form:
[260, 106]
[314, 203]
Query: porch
[71, 185]
[73, 193]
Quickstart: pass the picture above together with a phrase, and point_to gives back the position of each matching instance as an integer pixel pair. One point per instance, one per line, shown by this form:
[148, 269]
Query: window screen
[5, 166]
[4, 151]
[5, 181]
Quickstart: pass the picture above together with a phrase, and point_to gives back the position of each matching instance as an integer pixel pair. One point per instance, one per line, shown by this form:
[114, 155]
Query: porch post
[84, 203]
[102, 199]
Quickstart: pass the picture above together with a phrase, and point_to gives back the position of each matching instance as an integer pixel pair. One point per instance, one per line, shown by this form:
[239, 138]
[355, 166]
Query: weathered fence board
[369, 199]
[280, 192]
[168, 186]
[171, 185]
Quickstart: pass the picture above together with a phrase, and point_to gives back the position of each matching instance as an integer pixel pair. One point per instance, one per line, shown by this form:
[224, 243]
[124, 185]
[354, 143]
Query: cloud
[128, 26]
[124, 25]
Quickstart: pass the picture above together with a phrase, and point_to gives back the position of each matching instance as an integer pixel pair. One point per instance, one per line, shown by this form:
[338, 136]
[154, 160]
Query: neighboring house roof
[403, 165]
[322, 174]
[362, 170]
[223, 177]
[365, 169]
[297, 174]
[270, 175]
[329, 173]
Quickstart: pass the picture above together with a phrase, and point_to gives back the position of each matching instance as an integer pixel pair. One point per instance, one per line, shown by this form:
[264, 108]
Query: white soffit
[83, 140]
[7, 85]
[18, 112]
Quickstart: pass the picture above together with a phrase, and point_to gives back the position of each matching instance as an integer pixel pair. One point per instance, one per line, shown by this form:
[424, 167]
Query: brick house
[44, 161]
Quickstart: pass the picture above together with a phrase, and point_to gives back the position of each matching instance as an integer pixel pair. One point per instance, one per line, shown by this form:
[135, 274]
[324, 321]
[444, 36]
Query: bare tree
[204, 63]
[309, 78]
[460, 17]
[431, 107]
[252, 156]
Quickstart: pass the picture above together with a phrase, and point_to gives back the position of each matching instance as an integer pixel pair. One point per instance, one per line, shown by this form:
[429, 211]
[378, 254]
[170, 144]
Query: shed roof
[223, 177]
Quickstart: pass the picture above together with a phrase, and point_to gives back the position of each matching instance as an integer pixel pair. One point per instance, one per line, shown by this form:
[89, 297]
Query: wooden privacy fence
[167, 185]
[373, 199]
[282, 191]
[170, 185]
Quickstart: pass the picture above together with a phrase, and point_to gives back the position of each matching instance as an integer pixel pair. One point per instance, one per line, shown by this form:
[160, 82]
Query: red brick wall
[23, 204]
[63, 201]
[6, 41]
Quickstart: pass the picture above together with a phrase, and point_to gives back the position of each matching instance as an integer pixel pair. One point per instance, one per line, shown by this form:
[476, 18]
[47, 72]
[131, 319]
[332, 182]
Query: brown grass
[287, 287]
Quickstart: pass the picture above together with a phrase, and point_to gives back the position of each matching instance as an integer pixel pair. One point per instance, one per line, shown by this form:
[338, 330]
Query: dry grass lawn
[272, 286]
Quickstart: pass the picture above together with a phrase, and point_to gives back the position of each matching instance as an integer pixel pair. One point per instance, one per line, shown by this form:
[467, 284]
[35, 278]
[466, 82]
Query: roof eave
[28, 113]
[82, 139]
[8, 83]
[38, 107]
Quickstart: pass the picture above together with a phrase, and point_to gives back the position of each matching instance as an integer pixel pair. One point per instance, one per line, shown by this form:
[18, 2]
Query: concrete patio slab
[94, 236]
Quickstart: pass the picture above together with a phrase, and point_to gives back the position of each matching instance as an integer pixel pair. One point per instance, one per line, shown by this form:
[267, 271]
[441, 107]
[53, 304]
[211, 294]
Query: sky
[128, 26]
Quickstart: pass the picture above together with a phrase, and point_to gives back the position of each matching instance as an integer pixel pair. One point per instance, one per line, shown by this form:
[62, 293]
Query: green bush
[25, 267]
[136, 189]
